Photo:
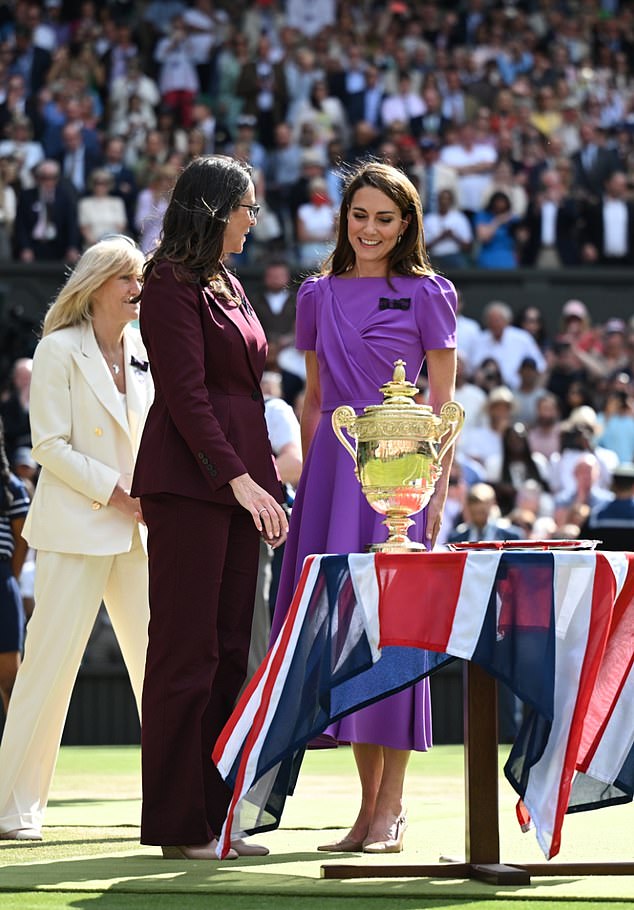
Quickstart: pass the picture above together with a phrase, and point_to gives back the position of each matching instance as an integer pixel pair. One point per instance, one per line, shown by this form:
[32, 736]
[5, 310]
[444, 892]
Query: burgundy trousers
[203, 561]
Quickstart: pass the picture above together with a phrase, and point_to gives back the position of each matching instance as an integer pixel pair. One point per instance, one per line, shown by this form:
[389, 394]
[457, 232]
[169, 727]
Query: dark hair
[621, 396]
[541, 336]
[525, 456]
[494, 198]
[409, 256]
[316, 103]
[205, 194]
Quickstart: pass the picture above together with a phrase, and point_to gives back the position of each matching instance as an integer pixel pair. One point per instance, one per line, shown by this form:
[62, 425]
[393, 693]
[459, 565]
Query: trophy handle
[452, 419]
[344, 417]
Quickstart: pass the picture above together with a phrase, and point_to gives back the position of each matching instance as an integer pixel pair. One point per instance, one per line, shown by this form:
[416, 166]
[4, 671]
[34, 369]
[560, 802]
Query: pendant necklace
[114, 366]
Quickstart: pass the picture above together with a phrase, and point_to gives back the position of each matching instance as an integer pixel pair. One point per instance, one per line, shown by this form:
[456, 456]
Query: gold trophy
[396, 458]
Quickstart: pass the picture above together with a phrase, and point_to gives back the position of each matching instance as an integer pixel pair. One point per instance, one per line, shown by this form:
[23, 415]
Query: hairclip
[204, 209]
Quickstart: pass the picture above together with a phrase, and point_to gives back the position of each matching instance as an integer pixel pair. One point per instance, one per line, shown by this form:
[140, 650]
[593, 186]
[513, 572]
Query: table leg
[482, 831]
[482, 838]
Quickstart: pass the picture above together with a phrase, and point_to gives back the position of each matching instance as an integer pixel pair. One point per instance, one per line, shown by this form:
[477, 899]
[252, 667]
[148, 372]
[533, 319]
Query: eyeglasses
[254, 210]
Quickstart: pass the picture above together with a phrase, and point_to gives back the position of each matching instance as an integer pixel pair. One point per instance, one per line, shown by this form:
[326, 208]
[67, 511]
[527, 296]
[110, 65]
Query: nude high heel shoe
[197, 851]
[394, 842]
[243, 848]
[346, 845]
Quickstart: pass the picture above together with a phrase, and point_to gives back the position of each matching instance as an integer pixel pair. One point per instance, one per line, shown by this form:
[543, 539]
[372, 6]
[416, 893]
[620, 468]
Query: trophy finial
[399, 371]
[398, 390]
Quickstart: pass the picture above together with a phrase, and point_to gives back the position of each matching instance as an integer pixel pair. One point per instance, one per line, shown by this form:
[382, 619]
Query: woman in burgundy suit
[209, 489]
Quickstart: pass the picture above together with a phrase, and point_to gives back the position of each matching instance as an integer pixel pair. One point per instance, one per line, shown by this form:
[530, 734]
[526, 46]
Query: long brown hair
[205, 194]
[409, 256]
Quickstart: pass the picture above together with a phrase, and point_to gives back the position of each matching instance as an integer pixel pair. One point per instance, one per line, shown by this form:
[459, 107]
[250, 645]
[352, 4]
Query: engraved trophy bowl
[398, 454]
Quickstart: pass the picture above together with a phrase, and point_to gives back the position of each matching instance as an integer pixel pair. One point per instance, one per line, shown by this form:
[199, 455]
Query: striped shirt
[18, 509]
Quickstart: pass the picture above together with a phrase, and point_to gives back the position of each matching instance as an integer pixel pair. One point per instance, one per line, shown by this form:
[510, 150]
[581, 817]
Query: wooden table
[257, 710]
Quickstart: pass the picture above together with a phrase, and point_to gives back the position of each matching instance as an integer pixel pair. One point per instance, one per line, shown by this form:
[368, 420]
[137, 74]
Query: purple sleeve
[436, 303]
[306, 317]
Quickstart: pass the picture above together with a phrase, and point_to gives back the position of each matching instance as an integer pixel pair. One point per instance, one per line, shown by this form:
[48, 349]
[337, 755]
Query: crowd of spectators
[513, 117]
[514, 120]
[549, 424]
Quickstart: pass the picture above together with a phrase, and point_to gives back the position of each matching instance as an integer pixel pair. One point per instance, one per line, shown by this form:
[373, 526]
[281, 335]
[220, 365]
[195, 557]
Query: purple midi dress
[358, 328]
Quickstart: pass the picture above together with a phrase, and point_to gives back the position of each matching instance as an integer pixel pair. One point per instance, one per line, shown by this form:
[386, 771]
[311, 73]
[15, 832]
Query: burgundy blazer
[206, 425]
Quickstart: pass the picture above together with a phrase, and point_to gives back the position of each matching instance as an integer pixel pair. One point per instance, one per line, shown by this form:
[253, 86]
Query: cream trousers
[68, 592]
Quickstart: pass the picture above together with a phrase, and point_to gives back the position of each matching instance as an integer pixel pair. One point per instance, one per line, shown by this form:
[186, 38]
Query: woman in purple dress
[376, 300]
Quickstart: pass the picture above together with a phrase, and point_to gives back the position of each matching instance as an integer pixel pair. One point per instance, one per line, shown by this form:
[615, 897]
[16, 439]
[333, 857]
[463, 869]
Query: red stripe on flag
[523, 815]
[229, 727]
[260, 715]
[617, 663]
[603, 591]
[414, 614]
[526, 597]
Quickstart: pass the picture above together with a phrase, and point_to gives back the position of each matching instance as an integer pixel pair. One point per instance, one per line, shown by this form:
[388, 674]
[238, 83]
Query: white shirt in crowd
[615, 228]
[468, 329]
[282, 424]
[471, 187]
[549, 223]
[402, 108]
[178, 65]
[473, 399]
[310, 18]
[508, 352]
[455, 221]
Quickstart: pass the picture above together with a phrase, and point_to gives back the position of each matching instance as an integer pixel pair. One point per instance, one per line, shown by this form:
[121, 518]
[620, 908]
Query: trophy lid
[399, 393]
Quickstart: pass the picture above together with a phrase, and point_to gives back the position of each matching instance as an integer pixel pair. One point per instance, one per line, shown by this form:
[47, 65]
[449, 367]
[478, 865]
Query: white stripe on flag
[614, 746]
[250, 760]
[366, 589]
[477, 581]
[619, 563]
[575, 572]
[542, 791]
[243, 726]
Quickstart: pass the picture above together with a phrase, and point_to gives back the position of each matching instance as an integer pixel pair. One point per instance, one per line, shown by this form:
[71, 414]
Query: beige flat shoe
[197, 851]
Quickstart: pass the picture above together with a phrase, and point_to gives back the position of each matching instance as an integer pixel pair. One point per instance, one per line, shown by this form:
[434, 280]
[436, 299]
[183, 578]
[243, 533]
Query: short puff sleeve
[436, 305]
[306, 318]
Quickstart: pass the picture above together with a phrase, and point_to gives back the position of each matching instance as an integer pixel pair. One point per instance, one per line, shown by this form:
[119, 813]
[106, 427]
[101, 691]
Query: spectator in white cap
[577, 325]
[482, 442]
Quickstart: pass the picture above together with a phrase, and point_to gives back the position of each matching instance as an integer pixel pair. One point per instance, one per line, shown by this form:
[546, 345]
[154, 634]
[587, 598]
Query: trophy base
[397, 546]
[397, 539]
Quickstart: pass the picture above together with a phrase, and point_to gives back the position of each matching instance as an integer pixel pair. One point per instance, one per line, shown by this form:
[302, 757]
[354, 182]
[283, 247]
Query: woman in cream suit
[90, 393]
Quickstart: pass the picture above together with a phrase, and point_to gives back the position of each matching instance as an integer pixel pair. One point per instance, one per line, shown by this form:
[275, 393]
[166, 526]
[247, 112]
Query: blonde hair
[113, 256]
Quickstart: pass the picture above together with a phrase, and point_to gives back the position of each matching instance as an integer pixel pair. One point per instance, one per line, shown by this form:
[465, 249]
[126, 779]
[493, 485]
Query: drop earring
[399, 238]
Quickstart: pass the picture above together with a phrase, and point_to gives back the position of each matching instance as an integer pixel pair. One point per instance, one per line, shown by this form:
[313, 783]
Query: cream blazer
[83, 441]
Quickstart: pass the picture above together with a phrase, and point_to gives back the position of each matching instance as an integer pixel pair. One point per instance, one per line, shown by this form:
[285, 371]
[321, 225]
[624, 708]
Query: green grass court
[91, 857]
